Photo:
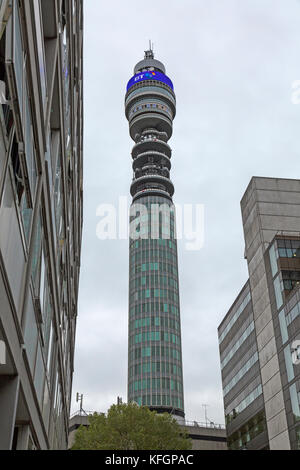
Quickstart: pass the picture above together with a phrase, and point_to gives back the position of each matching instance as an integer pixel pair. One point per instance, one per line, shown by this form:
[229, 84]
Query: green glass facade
[155, 360]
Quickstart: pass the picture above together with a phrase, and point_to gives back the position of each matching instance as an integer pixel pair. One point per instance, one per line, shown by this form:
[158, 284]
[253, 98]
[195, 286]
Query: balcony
[150, 120]
[151, 192]
[151, 170]
[151, 145]
[151, 92]
[151, 157]
[150, 181]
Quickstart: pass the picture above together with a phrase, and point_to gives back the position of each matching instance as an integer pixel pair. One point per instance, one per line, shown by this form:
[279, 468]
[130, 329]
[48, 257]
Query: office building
[260, 336]
[41, 151]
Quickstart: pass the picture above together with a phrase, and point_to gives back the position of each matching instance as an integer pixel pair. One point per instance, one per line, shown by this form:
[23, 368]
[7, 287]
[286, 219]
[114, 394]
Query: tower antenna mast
[149, 54]
[205, 413]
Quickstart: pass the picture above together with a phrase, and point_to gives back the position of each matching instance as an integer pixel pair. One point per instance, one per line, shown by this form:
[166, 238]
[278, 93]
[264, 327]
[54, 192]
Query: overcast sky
[232, 63]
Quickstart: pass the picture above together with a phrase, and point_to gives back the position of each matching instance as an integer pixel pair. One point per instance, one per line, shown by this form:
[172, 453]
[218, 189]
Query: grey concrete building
[204, 437]
[241, 376]
[41, 143]
[259, 337]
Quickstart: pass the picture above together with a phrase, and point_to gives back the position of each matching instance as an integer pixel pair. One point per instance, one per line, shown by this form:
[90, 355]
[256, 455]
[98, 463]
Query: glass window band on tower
[154, 342]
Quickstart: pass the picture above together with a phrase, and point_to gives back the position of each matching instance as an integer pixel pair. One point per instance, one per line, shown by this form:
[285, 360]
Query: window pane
[39, 375]
[273, 260]
[289, 363]
[295, 402]
[11, 244]
[40, 47]
[30, 333]
[278, 293]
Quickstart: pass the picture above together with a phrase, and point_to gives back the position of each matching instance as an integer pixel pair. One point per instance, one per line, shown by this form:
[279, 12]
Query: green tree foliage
[130, 427]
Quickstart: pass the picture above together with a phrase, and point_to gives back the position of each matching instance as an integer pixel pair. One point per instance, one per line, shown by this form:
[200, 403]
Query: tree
[130, 427]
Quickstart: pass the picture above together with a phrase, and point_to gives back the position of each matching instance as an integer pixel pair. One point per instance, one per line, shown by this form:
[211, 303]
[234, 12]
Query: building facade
[241, 379]
[260, 336]
[41, 150]
[154, 357]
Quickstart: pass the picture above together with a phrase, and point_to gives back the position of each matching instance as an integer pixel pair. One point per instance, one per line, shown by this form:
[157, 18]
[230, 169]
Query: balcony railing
[196, 424]
[210, 425]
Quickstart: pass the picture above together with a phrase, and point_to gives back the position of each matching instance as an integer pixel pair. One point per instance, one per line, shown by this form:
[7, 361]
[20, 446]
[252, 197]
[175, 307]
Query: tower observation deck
[154, 351]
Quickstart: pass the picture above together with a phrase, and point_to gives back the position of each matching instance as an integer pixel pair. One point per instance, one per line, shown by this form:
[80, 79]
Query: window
[37, 244]
[237, 344]
[248, 432]
[243, 404]
[298, 438]
[42, 280]
[234, 318]
[58, 196]
[17, 169]
[291, 279]
[11, 244]
[295, 399]
[289, 363]
[46, 406]
[51, 348]
[39, 374]
[30, 333]
[288, 248]
[283, 326]
[18, 55]
[23, 197]
[278, 291]
[29, 151]
[40, 47]
[273, 260]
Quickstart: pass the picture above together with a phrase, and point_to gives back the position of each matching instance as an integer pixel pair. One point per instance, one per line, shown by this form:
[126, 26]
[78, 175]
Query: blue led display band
[160, 77]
